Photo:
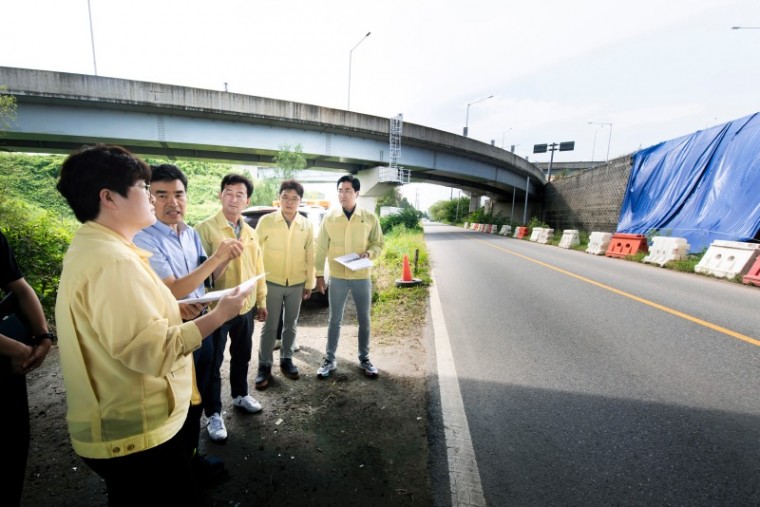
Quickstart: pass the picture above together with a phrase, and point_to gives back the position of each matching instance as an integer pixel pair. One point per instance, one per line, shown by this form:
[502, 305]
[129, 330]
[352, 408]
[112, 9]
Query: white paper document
[216, 295]
[353, 262]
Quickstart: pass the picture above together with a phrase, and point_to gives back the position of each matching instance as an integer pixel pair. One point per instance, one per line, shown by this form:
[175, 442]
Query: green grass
[400, 311]
[687, 265]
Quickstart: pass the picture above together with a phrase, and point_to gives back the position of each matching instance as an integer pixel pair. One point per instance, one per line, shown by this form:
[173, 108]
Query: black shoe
[207, 467]
[288, 368]
[263, 376]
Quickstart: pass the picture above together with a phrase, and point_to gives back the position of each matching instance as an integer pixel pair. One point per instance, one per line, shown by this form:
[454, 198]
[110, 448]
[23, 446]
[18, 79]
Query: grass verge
[400, 311]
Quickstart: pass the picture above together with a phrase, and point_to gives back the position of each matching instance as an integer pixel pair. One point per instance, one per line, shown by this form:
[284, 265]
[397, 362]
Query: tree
[393, 198]
[7, 110]
[289, 161]
[450, 211]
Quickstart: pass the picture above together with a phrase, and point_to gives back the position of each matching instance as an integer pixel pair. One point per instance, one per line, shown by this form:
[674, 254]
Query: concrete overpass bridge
[58, 112]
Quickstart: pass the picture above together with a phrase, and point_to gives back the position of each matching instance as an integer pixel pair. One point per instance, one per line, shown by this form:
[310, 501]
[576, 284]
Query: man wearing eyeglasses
[287, 244]
[180, 261]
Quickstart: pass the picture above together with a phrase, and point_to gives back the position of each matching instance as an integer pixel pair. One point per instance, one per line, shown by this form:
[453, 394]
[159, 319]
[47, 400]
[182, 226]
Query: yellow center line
[666, 309]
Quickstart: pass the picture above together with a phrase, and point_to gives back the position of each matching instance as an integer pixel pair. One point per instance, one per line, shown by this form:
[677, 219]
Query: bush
[39, 240]
[480, 216]
[408, 217]
[535, 222]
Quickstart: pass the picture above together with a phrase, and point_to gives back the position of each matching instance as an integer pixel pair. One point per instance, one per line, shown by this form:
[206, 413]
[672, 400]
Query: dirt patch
[345, 440]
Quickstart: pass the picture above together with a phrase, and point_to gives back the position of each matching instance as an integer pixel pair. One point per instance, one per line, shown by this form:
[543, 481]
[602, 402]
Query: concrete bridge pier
[376, 182]
[474, 202]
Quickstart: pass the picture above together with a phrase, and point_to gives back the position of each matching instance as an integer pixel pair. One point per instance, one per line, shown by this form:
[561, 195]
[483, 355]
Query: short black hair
[292, 185]
[353, 179]
[89, 170]
[167, 172]
[234, 179]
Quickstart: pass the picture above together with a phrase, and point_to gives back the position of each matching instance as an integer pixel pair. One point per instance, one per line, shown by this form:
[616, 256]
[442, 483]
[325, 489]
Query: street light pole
[92, 39]
[467, 117]
[456, 218]
[350, 54]
[609, 139]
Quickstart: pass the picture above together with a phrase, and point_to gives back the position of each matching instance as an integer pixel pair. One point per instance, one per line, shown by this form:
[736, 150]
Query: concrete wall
[588, 201]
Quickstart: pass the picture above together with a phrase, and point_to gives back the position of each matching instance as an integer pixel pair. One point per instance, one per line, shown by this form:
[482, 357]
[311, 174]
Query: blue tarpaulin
[702, 187]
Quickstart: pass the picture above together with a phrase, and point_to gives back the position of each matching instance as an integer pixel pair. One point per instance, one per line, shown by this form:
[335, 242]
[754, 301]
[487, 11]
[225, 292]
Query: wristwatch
[36, 340]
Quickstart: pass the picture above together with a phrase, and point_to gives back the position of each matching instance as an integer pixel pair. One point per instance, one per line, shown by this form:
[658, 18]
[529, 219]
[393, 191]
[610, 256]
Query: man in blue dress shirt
[180, 261]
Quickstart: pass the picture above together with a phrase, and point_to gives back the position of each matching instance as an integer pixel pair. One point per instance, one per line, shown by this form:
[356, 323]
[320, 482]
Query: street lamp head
[479, 100]
[609, 139]
[350, 54]
[467, 117]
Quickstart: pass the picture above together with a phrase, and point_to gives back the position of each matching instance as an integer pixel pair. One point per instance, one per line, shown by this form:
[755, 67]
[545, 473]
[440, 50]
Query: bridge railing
[394, 175]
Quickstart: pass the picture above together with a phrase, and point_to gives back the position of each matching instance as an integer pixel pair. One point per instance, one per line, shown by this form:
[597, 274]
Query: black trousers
[240, 330]
[162, 475]
[14, 425]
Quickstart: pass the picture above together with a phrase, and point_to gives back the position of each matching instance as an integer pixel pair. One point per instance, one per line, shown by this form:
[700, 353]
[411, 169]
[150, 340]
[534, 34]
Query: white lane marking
[464, 475]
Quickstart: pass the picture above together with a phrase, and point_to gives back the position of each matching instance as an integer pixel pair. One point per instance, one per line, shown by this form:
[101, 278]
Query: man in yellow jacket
[287, 242]
[349, 229]
[228, 223]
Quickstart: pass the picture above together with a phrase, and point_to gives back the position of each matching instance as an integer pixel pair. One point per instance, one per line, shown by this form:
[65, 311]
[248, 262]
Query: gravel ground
[345, 440]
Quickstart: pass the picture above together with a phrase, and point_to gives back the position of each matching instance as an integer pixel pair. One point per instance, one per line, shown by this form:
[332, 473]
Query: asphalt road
[589, 380]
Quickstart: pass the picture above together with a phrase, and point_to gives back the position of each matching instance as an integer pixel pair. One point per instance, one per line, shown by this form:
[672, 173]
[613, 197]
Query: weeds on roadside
[400, 311]
[687, 265]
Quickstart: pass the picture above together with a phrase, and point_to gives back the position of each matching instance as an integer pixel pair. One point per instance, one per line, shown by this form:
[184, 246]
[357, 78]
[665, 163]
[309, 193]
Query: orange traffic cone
[406, 273]
[406, 279]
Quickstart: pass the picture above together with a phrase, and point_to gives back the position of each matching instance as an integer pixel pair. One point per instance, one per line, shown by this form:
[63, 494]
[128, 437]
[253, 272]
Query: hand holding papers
[353, 262]
[216, 295]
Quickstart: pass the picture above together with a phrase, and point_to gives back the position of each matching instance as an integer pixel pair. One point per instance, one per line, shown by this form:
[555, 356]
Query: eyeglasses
[290, 199]
[144, 187]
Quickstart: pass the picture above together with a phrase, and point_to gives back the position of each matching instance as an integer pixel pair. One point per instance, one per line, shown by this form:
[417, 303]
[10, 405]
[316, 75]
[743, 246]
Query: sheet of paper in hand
[353, 262]
[216, 295]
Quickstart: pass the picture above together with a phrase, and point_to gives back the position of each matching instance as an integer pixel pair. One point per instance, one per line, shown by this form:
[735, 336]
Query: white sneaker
[296, 347]
[215, 427]
[326, 368]
[368, 368]
[277, 344]
[247, 403]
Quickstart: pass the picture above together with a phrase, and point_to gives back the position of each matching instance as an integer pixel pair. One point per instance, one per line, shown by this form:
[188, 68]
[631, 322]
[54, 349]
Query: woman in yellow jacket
[125, 352]
[287, 244]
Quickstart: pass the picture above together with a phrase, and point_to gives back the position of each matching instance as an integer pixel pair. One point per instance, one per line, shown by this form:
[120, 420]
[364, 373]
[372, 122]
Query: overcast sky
[654, 69]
